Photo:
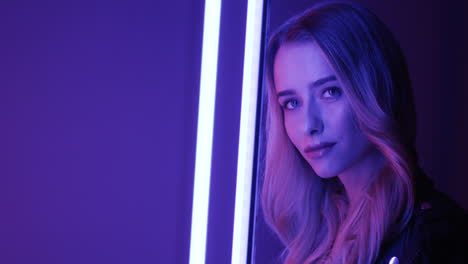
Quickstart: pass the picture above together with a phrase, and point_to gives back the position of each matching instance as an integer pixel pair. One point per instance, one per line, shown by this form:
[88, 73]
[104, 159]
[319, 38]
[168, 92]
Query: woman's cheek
[291, 125]
[287, 125]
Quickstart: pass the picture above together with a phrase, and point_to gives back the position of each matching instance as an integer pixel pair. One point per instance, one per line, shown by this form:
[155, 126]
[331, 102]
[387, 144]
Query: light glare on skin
[316, 114]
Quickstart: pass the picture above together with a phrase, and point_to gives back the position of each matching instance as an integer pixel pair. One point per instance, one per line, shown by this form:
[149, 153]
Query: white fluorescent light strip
[206, 105]
[245, 157]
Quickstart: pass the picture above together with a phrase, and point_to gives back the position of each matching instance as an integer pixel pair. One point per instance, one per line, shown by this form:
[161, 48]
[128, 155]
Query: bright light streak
[247, 131]
[206, 107]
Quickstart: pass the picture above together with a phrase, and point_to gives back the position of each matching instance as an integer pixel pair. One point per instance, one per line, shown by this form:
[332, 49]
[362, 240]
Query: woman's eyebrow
[317, 83]
[324, 80]
[285, 92]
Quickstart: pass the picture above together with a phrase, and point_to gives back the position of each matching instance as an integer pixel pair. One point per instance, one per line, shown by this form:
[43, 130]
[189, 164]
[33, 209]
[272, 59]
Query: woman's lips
[319, 150]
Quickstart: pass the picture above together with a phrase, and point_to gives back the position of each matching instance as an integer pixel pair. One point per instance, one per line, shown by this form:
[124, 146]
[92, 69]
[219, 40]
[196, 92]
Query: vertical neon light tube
[247, 131]
[206, 105]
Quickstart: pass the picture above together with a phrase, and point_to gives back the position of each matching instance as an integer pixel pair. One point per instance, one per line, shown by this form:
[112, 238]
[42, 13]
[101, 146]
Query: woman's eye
[291, 104]
[332, 92]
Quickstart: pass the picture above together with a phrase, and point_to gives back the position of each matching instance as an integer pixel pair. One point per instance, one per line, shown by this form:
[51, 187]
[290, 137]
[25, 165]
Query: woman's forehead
[300, 64]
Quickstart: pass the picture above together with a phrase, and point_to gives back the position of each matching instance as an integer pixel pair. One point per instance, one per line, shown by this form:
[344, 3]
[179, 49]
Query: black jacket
[437, 232]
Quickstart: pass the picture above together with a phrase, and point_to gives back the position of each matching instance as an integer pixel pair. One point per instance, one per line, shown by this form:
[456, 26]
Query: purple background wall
[98, 123]
[433, 37]
[98, 115]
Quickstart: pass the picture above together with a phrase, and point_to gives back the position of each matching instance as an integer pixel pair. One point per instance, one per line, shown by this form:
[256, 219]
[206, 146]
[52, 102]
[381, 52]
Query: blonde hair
[311, 215]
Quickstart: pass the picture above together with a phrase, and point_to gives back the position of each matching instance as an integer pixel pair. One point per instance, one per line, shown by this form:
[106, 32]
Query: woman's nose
[314, 120]
[315, 126]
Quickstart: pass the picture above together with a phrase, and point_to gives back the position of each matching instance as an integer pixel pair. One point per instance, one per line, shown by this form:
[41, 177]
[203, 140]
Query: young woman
[342, 183]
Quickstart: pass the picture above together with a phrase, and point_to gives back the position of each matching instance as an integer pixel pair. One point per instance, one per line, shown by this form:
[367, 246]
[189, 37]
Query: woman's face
[317, 116]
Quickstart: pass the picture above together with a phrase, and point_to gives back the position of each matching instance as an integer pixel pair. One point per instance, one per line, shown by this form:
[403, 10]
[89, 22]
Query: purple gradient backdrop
[98, 114]
[434, 40]
[98, 120]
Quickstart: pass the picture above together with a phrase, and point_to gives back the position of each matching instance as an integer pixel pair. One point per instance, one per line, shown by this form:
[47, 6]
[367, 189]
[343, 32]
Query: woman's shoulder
[438, 208]
[443, 229]
[437, 233]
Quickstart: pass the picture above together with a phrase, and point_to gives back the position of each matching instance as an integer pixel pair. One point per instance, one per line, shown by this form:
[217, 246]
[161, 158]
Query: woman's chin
[323, 171]
[325, 174]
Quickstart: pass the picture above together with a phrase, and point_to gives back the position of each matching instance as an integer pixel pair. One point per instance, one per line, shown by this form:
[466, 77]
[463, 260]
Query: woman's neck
[356, 178]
